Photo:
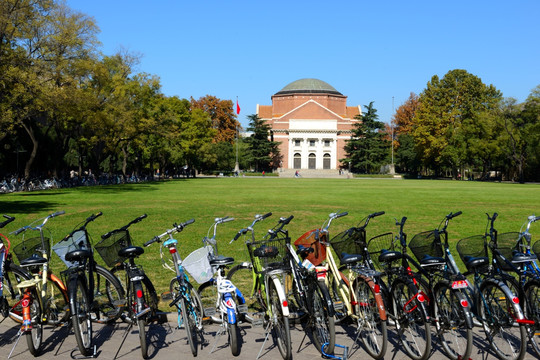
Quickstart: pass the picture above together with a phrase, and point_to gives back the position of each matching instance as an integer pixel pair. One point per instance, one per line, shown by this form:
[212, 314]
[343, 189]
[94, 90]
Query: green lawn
[424, 202]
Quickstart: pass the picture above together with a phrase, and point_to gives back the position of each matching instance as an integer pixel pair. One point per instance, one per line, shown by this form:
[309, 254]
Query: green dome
[308, 86]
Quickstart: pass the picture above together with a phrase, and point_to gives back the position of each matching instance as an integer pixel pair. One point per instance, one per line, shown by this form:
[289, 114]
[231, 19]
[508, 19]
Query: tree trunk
[33, 154]
[124, 160]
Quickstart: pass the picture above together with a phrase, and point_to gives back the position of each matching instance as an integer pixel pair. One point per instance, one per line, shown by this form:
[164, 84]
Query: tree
[368, 148]
[263, 152]
[403, 119]
[446, 107]
[222, 114]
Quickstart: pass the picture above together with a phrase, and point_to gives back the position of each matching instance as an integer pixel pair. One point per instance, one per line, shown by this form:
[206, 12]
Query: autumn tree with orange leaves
[222, 114]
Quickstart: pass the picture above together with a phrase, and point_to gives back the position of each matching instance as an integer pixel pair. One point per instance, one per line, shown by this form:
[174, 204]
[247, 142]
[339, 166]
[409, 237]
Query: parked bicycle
[117, 251]
[44, 297]
[404, 301]
[185, 297]
[353, 289]
[94, 293]
[308, 294]
[262, 280]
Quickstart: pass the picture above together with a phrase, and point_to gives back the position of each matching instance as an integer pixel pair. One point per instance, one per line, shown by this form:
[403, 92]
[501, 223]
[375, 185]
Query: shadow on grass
[23, 207]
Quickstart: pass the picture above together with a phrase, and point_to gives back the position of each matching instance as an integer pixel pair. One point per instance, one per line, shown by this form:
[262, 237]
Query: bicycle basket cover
[198, 265]
[75, 241]
[319, 250]
[425, 243]
[31, 246]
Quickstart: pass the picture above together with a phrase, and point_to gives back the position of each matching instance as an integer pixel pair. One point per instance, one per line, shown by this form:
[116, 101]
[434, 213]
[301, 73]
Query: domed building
[312, 121]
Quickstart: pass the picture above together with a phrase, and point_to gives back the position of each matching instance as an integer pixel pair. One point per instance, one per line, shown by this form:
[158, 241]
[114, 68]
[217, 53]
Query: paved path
[170, 343]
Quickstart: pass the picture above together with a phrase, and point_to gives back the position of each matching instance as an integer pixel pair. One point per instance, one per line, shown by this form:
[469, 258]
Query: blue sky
[369, 51]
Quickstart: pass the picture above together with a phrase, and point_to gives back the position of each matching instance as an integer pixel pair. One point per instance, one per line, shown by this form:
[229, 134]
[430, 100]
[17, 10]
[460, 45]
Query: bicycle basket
[470, 247]
[271, 254]
[108, 248]
[31, 246]
[506, 244]
[351, 241]
[198, 266]
[425, 243]
[377, 244]
[74, 241]
[319, 250]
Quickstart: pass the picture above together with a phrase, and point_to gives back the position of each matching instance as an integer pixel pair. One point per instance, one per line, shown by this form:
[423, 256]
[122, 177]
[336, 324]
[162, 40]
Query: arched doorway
[297, 163]
[312, 161]
[326, 161]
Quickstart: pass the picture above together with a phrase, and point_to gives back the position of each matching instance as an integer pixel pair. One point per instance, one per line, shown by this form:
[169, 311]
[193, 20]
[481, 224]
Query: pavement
[167, 342]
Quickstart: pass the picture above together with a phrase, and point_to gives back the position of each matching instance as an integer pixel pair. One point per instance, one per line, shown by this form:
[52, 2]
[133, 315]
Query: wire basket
[32, 246]
[506, 244]
[198, 266]
[351, 241]
[377, 244]
[425, 243]
[77, 240]
[472, 247]
[308, 240]
[271, 254]
[108, 248]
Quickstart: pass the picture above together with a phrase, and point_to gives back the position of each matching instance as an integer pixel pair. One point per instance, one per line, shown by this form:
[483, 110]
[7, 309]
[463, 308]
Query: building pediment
[311, 109]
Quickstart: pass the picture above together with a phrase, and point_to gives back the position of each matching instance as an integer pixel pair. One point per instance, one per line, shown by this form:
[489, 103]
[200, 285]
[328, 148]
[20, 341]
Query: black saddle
[389, 256]
[34, 260]
[78, 255]
[347, 259]
[131, 251]
[221, 261]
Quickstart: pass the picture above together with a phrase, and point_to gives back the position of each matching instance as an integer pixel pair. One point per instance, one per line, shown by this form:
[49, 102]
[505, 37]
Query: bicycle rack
[332, 356]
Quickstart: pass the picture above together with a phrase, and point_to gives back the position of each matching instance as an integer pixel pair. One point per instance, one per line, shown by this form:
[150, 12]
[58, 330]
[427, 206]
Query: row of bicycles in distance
[369, 284]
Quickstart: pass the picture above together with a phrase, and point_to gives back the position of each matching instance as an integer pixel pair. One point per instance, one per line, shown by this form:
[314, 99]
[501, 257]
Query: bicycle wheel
[456, 337]
[532, 312]
[196, 302]
[280, 326]
[141, 320]
[80, 315]
[507, 338]
[412, 327]
[209, 297]
[189, 325]
[109, 296]
[243, 278]
[34, 337]
[57, 311]
[11, 302]
[149, 291]
[337, 300]
[234, 338]
[371, 328]
[321, 323]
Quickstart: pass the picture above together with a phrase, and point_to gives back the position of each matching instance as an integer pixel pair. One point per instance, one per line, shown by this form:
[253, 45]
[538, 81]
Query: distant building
[311, 119]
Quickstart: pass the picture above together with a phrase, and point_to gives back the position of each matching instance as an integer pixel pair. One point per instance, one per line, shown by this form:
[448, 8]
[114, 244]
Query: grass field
[424, 202]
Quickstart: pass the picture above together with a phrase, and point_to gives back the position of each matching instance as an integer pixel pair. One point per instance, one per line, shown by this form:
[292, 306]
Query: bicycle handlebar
[38, 227]
[125, 227]
[285, 221]
[176, 228]
[9, 219]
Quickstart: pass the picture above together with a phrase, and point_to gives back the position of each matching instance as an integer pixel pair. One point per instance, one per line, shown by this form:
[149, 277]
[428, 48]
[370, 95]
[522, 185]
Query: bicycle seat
[78, 255]
[472, 262]
[521, 257]
[347, 259]
[34, 260]
[428, 260]
[389, 256]
[131, 251]
[221, 261]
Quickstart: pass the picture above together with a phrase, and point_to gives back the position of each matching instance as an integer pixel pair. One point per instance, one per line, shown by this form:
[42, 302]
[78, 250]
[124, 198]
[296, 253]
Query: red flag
[237, 107]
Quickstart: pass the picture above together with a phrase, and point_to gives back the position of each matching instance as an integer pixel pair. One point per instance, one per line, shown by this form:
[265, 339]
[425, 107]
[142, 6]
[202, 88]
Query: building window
[326, 142]
[326, 161]
[311, 142]
[312, 160]
[296, 142]
[297, 161]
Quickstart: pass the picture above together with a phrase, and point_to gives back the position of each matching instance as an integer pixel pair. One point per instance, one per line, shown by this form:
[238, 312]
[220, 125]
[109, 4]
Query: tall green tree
[222, 114]
[263, 152]
[368, 147]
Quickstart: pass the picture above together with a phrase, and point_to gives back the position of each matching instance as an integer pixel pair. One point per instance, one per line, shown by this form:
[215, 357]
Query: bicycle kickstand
[19, 334]
[222, 330]
[267, 332]
[126, 333]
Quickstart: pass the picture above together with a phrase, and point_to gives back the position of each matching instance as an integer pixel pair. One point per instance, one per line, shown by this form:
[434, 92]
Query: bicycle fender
[378, 297]
[510, 295]
[281, 294]
[57, 280]
[461, 296]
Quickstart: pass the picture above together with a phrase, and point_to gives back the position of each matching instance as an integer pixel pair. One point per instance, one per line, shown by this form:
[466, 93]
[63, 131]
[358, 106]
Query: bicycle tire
[80, 314]
[141, 304]
[57, 312]
[506, 339]
[322, 324]
[189, 325]
[372, 329]
[280, 327]
[141, 324]
[412, 326]
[109, 296]
[11, 302]
[148, 288]
[196, 301]
[34, 337]
[209, 297]
[532, 312]
[242, 277]
[234, 338]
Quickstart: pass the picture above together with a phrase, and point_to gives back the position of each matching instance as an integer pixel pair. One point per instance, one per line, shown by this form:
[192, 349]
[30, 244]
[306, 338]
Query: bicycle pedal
[242, 309]
[167, 295]
[257, 323]
[338, 305]
[209, 311]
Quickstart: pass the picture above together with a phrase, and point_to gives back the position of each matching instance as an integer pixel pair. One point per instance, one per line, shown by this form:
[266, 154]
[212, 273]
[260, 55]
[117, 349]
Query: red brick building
[312, 121]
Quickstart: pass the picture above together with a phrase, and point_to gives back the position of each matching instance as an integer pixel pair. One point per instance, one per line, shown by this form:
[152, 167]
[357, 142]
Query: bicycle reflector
[464, 303]
[139, 294]
[515, 300]
[25, 303]
[377, 288]
[460, 284]
[172, 250]
[285, 303]
[420, 297]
